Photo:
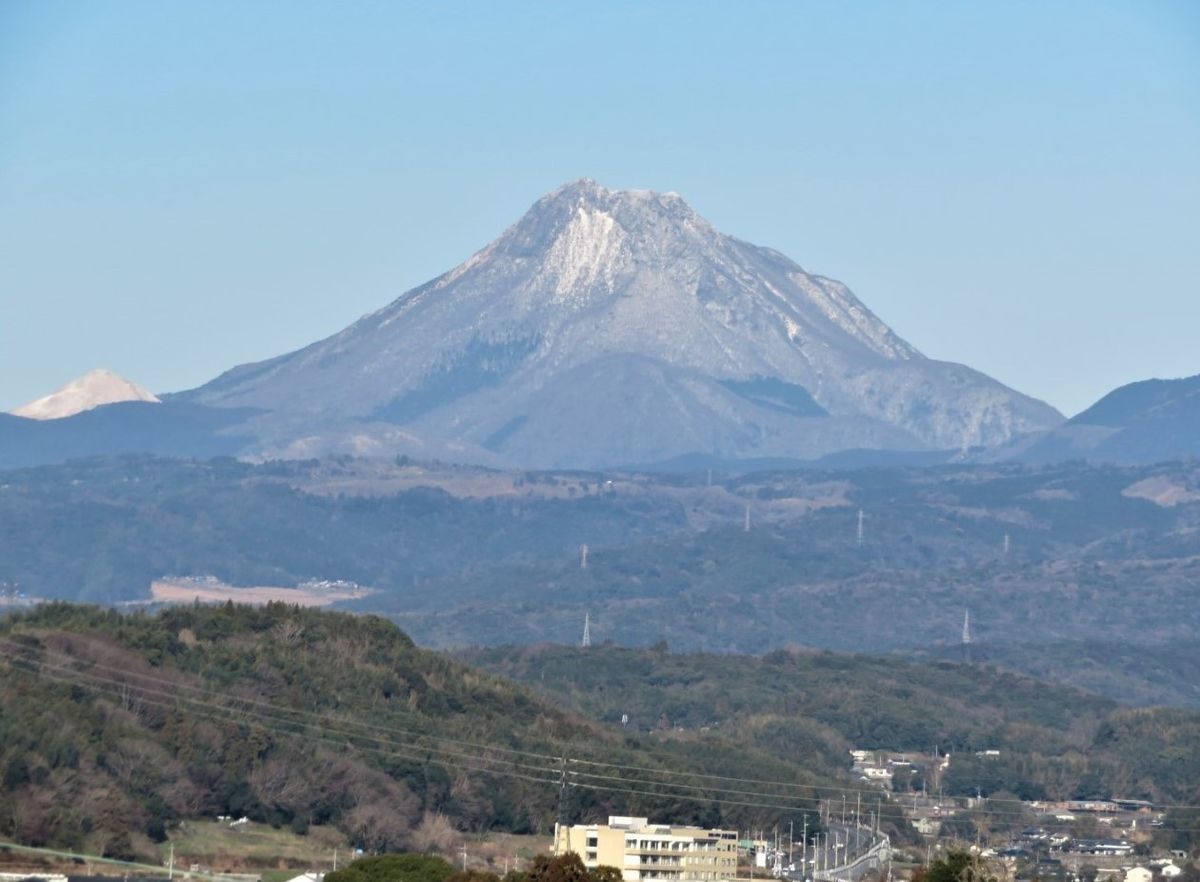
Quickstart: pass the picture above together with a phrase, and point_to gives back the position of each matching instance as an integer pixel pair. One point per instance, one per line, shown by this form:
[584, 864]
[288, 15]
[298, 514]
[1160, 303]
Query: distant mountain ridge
[615, 326]
[1148, 421]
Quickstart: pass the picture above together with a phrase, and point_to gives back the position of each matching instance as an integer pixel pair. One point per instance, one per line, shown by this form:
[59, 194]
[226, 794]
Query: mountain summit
[618, 326]
[83, 393]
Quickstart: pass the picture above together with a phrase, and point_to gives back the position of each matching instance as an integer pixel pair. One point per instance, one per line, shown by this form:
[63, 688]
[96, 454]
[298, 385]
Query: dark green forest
[114, 723]
[1054, 742]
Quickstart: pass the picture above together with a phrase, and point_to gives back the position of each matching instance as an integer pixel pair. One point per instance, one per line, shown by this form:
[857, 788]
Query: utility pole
[171, 863]
[804, 848]
[464, 857]
[335, 859]
[562, 800]
[791, 839]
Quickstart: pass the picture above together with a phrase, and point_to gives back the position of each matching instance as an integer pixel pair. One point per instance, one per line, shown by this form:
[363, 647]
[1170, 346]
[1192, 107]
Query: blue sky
[187, 186]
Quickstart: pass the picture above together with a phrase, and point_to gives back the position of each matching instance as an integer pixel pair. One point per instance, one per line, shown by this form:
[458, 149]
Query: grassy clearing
[281, 854]
[224, 848]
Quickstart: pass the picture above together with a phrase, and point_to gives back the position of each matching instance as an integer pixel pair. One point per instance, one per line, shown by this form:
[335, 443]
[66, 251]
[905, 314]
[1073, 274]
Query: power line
[423, 753]
[117, 687]
[392, 730]
[51, 852]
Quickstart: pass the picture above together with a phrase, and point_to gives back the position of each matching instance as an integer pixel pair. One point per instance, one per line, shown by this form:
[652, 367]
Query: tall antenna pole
[861, 535]
[583, 550]
[587, 630]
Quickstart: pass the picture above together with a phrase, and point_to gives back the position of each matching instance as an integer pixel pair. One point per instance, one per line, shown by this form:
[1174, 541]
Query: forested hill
[117, 723]
[1054, 741]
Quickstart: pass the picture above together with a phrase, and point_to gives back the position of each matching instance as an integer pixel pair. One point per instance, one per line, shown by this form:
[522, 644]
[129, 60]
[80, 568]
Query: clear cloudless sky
[186, 186]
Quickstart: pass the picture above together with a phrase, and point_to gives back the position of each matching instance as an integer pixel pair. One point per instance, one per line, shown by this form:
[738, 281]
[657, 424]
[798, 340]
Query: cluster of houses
[881, 766]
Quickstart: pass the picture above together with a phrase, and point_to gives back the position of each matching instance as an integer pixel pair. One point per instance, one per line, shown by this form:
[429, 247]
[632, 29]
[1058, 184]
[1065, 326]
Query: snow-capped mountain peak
[609, 326]
[96, 387]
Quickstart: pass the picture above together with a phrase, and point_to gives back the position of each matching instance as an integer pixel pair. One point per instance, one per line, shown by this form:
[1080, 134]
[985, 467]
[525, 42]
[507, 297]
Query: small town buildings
[643, 851]
[1138, 874]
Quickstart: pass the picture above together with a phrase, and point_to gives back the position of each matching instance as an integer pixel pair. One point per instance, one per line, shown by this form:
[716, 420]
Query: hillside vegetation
[1132, 673]
[115, 723]
[1054, 742]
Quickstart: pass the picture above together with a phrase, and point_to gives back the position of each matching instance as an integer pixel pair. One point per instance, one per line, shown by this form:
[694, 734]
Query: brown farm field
[213, 591]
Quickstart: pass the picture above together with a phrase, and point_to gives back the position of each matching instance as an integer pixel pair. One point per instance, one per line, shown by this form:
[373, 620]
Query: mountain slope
[614, 326]
[1148, 421]
[84, 393]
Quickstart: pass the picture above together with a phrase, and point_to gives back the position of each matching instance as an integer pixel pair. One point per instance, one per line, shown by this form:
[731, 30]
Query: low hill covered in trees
[115, 727]
[1053, 742]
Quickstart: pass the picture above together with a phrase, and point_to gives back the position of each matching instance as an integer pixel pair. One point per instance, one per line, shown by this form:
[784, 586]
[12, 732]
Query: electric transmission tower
[587, 631]
[583, 550]
[966, 635]
[861, 533]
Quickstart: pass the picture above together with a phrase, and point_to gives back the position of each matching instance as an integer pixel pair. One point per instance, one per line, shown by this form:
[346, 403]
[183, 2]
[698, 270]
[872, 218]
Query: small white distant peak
[84, 393]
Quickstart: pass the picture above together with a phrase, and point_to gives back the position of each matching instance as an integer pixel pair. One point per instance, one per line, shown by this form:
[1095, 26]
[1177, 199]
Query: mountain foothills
[1048, 557]
[117, 727]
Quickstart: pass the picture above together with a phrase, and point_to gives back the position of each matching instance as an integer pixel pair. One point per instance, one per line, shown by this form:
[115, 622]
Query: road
[842, 854]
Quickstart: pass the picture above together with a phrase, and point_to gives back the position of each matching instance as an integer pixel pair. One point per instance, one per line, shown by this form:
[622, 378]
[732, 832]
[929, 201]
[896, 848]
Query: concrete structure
[643, 851]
